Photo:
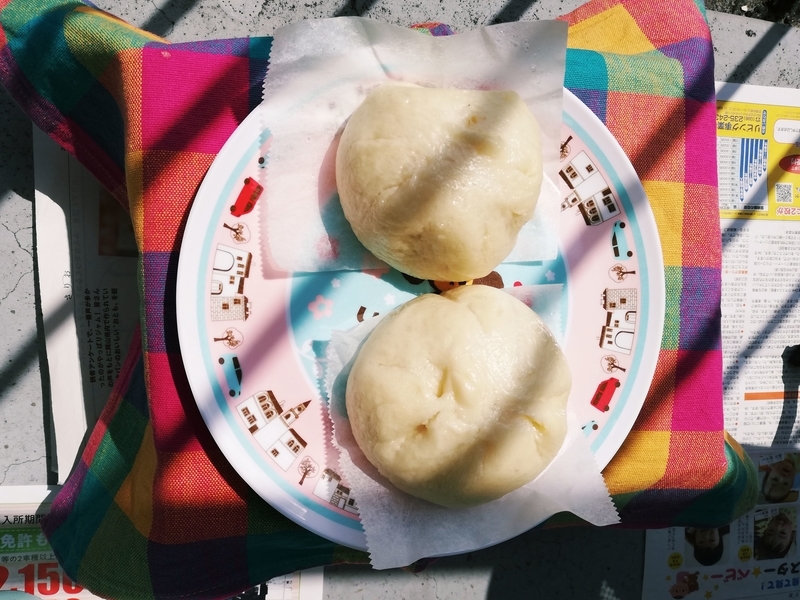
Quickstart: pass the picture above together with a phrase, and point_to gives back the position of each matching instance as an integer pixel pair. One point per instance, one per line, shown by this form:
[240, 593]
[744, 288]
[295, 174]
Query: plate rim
[245, 135]
[656, 281]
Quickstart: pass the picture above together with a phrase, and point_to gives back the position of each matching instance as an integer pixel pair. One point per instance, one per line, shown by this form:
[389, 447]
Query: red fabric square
[171, 180]
[192, 501]
[696, 460]
[701, 165]
[650, 130]
[656, 413]
[173, 428]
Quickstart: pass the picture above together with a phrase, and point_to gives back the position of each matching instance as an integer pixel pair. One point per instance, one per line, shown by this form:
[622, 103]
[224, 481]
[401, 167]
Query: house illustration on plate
[620, 306]
[230, 270]
[271, 426]
[588, 190]
[330, 488]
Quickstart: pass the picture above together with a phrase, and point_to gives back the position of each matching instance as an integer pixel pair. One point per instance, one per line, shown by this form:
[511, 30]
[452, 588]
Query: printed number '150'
[49, 576]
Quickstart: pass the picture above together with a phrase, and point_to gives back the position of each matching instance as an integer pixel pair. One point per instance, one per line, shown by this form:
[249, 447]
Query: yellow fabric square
[613, 30]
[640, 463]
[135, 495]
[666, 200]
[735, 446]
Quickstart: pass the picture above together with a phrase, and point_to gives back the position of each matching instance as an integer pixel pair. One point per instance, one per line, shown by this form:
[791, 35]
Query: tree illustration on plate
[565, 150]
[231, 338]
[619, 273]
[611, 364]
[307, 468]
[239, 232]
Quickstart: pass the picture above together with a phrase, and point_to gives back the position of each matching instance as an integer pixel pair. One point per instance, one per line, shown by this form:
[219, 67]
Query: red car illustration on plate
[602, 397]
[248, 197]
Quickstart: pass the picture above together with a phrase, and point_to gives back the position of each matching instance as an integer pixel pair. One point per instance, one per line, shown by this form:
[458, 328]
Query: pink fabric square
[700, 133]
[207, 104]
[696, 403]
[653, 16]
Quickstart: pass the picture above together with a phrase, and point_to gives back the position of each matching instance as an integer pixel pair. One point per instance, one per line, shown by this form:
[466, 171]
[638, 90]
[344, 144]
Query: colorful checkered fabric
[646, 69]
[152, 508]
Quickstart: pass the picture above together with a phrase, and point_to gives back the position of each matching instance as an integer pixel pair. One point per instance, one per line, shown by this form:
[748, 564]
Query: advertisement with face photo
[779, 478]
[756, 555]
[705, 547]
[775, 533]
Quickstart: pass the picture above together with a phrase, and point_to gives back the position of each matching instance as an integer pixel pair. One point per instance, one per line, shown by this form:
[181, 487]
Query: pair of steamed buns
[458, 398]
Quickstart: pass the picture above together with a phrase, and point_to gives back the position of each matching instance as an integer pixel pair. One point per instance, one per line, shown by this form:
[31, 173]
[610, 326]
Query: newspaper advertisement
[28, 565]
[758, 156]
[27, 562]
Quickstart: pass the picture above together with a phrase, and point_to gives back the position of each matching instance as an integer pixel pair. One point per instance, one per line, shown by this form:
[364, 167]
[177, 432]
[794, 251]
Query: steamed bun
[438, 182]
[459, 398]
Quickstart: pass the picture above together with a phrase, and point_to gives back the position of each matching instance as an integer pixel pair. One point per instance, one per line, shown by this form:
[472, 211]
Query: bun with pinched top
[438, 182]
[459, 398]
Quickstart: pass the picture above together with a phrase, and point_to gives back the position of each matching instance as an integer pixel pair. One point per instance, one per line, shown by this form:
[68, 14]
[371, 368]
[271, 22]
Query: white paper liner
[320, 71]
[401, 529]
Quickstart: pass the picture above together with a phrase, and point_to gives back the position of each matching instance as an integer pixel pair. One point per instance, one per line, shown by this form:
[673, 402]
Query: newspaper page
[301, 585]
[87, 265]
[758, 155]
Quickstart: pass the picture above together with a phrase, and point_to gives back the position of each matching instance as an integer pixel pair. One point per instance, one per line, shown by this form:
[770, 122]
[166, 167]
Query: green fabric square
[259, 47]
[649, 73]
[267, 527]
[106, 42]
[73, 537]
[100, 566]
[117, 451]
[673, 280]
[269, 555]
[263, 519]
[586, 70]
[343, 554]
[18, 13]
[44, 64]
[733, 495]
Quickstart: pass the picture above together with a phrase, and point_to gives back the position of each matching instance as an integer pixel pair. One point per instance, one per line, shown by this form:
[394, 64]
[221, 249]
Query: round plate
[254, 346]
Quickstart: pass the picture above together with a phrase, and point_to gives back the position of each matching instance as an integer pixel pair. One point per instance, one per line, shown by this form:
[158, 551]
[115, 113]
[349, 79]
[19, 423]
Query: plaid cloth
[152, 494]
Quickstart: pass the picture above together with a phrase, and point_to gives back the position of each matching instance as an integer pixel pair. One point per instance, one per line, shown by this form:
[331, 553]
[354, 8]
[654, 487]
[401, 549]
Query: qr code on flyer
[783, 193]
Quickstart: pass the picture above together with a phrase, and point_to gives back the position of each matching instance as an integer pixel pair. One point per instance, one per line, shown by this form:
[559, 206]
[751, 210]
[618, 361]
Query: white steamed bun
[459, 398]
[438, 182]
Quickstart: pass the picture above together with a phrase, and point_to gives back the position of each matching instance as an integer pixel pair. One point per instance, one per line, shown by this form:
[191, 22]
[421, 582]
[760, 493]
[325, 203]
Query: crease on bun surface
[438, 182]
[459, 398]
